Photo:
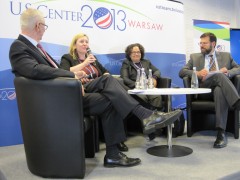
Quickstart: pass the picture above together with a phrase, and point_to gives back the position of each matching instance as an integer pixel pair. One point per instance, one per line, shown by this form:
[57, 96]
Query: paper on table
[210, 74]
[137, 90]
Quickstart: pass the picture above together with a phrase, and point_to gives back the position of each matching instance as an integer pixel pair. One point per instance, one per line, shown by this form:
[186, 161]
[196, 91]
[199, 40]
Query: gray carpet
[204, 163]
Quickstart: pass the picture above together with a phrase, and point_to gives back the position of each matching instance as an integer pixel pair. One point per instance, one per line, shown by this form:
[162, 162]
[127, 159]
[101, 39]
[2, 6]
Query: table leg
[169, 150]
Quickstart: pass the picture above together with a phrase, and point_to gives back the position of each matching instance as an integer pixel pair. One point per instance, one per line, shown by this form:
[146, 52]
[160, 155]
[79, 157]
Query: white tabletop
[169, 91]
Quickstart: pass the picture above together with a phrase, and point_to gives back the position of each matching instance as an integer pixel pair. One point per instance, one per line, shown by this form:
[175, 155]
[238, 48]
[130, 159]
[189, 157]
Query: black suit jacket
[197, 60]
[129, 71]
[67, 61]
[26, 60]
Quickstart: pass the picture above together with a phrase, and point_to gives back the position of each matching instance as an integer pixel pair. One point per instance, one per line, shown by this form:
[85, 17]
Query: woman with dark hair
[134, 61]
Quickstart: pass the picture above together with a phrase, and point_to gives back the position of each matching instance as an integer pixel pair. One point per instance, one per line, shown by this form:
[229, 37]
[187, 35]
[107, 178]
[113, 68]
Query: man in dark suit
[28, 59]
[224, 93]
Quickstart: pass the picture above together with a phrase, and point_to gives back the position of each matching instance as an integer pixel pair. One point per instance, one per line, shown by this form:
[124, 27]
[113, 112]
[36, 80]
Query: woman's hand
[79, 74]
[86, 80]
[83, 92]
[154, 82]
[90, 59]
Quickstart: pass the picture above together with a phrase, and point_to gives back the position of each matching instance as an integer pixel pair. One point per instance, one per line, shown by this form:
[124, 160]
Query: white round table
[169, 150]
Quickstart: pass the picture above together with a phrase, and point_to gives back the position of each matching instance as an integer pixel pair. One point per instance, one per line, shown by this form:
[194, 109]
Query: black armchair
[201, 113]
[56, 136]
[165, 82]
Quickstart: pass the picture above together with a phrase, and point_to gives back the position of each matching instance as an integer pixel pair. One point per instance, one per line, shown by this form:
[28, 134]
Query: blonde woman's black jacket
[67, 61]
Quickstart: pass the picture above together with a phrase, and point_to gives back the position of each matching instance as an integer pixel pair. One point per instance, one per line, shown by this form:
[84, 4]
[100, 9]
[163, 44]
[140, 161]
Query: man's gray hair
[29, 18]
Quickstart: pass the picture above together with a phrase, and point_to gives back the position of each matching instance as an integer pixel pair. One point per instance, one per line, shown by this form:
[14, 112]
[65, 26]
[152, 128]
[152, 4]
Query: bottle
[137, 83]
[150, 80]
[194, 80]
[143, 79]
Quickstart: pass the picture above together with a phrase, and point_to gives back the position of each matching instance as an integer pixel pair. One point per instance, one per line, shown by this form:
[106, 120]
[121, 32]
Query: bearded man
[214, 70]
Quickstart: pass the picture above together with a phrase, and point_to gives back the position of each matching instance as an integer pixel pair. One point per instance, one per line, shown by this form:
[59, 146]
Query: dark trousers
[106, 98]
[224, 94]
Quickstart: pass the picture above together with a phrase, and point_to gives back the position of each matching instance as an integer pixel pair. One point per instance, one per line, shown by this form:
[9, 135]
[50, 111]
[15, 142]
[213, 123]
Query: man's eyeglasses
[203, 43]
[136, 52]
[45, 26]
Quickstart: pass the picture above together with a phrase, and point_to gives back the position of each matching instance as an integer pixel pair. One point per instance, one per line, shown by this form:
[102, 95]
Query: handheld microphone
[90, 52]
[91, 76]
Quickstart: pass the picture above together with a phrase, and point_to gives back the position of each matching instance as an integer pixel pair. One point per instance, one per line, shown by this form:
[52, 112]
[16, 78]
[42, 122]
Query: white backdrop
[111, 25]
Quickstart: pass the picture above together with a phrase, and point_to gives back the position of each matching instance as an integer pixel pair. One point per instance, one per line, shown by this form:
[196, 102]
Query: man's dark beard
[206, 51]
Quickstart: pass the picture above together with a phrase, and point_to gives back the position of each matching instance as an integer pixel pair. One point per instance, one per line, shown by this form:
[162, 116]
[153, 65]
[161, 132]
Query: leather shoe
[121, 161]
[159, 120]
[122, 147]
[221, 140]
[151, 136]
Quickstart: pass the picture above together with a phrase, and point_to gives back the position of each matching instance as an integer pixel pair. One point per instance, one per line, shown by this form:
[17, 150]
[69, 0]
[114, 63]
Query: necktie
[212, 64]
[46, 55]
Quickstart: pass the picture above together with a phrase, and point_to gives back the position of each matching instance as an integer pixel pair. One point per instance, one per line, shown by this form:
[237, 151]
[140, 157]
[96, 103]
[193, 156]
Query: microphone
[91, 76]
[90, 52]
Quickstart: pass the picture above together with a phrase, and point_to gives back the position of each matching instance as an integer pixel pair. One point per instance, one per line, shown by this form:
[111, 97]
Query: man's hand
[224, 70]
[203, 73]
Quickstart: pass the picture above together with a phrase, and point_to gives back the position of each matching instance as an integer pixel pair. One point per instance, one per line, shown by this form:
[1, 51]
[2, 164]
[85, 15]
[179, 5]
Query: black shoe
[122, 147]
[151, 136]
[221, 140]
[159, 120]
[121, 161]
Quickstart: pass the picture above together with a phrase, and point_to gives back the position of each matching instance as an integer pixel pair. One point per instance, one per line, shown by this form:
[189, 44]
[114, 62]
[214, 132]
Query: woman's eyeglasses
[136, 52]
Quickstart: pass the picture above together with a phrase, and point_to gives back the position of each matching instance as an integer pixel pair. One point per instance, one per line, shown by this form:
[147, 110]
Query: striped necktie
[46, 55]
[212, 64]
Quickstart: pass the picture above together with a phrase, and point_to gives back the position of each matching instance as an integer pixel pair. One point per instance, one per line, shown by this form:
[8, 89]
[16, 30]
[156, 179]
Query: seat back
[52, 126]
[201, 112]
[165, 82]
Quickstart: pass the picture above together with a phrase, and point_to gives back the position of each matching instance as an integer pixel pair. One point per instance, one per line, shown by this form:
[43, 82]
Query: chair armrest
[236, 82]
[186, 82]
[164, 82]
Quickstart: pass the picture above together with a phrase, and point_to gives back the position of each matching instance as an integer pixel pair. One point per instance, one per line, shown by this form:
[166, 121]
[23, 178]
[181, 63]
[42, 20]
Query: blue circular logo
[102, 18]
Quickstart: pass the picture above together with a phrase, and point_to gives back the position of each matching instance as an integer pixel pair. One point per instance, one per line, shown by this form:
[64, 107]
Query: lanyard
[90, 71]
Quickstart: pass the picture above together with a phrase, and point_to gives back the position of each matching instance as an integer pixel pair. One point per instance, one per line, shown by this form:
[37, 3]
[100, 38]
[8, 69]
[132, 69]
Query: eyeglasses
[203, 43]
[136, 52]
[45, 26]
